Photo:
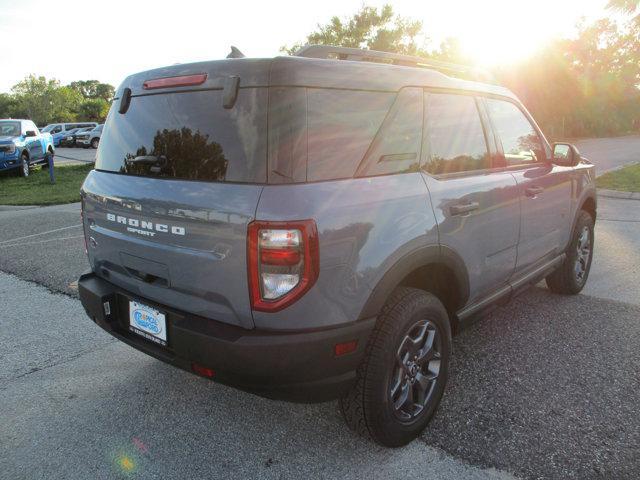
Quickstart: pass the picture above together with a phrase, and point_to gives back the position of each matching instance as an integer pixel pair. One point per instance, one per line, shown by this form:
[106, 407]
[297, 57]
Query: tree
[7, 105]
[627, 6]
[93, 89]
[94, 109]
[368, 28]
[45, 101]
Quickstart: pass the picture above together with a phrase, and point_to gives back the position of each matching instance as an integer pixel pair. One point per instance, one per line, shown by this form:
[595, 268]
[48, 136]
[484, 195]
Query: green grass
[626, 179]
[36, 189]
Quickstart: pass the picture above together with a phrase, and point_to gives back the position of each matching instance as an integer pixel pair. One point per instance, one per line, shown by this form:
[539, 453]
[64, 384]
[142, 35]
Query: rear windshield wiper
[148, 159]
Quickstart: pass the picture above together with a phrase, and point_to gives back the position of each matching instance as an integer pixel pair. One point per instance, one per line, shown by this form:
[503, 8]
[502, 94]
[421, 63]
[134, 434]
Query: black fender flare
[429, 254]
[588, 195]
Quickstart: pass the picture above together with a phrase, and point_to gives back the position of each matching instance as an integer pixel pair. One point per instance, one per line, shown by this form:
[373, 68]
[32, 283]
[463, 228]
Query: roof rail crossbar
[358, 54]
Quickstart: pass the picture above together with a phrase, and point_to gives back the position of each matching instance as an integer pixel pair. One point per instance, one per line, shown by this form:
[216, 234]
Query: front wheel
[404, 371]
[94, 143]
[24, 165]
[571, 276]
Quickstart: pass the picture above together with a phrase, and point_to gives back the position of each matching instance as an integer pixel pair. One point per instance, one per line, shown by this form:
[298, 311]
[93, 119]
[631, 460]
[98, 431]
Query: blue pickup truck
[22, 145]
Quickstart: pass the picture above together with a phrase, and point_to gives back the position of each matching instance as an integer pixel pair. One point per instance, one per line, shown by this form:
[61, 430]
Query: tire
[570, 277]
[95, 142]
[24, 165]
[374, 407]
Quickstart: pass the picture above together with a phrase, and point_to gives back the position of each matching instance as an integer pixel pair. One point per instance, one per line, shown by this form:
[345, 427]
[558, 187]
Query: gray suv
[318, 226]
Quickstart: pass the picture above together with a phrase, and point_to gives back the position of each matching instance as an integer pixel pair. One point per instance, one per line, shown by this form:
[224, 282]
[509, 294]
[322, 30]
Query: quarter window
[455, 136]
[341, 125]
[520, 141]
[396, 147]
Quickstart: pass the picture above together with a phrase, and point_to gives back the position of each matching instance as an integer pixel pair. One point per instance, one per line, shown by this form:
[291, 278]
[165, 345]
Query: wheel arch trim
[421, 257]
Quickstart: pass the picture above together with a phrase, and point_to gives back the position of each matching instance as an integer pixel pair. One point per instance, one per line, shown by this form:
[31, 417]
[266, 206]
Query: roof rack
[362, 55]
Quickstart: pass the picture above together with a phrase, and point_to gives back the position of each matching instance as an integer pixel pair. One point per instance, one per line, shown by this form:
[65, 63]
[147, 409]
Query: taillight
[283, 262]
[181, 81]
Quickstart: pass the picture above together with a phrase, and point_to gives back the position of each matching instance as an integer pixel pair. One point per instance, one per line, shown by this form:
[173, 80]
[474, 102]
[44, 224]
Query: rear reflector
[279, 257]
[182, 81]
[345, 347]
[204, 371]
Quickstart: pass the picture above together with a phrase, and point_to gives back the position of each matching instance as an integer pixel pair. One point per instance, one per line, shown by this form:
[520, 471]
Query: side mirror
[565, 154]
[30, 133]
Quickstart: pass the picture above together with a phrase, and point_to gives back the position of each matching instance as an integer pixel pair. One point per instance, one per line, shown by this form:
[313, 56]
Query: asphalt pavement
[74, 156]
[610, 153]
[545, 387]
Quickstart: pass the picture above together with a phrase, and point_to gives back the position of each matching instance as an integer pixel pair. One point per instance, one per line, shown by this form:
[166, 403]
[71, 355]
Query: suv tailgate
[181, 243]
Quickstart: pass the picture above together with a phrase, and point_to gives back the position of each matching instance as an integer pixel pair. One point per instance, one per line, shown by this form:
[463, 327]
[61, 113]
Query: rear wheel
[571, 276]
[24, 165]
[404, 372]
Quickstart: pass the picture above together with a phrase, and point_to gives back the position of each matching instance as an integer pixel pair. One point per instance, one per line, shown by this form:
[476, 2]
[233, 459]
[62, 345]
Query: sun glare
[503, 40]
[496, 32]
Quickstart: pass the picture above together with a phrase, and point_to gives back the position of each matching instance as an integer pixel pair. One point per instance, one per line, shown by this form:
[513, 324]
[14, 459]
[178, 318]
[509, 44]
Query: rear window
[188, 135]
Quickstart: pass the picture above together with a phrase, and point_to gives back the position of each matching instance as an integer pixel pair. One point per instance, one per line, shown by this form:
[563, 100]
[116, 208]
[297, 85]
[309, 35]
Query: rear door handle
[533, 191]
[464, 208]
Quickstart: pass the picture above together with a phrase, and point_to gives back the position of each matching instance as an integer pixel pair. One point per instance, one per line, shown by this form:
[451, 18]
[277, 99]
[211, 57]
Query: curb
[619, 195]
[8, 208]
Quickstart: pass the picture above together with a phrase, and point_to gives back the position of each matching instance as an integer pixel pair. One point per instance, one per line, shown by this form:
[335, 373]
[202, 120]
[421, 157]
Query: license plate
[148, 323]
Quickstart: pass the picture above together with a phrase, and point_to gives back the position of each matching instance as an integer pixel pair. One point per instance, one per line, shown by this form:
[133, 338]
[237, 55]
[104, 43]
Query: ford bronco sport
[317, 226]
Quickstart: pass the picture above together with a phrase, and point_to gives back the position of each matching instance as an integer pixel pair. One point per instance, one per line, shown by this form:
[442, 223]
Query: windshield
[48, 128]
[11, 129]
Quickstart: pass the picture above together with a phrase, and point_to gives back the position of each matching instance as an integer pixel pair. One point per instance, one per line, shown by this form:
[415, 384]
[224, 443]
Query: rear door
[34, 144]
[544, 188]
[476, 206]
[177, 180]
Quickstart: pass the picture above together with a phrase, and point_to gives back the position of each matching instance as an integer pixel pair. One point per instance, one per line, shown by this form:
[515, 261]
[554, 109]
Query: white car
[90, 138]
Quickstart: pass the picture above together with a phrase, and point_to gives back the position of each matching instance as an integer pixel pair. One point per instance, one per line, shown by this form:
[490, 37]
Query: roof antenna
[235, 53]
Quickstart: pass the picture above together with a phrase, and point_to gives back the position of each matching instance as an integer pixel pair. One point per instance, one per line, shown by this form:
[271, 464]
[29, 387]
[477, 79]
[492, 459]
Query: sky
[109, 40]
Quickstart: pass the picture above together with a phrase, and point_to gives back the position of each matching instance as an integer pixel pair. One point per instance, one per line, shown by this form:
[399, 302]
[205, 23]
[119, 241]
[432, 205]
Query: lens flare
[126, 463]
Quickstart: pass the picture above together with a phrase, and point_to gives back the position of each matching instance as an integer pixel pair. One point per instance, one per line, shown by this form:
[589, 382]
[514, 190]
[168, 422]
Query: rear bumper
[294, 366]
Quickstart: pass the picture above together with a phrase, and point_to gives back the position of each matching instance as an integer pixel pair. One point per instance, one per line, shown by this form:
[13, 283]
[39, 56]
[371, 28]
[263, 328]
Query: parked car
[67, 139]
[322, 231]
[70, 139]
[23, 145]
[59, 130]
[90, 138]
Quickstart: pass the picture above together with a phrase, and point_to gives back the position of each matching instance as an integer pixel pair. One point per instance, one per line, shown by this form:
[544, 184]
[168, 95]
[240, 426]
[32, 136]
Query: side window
[341, 124]
[56, 129]
[396, 147]
[31, 126]
[520, 141]
[287, 134]
[455, 137]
